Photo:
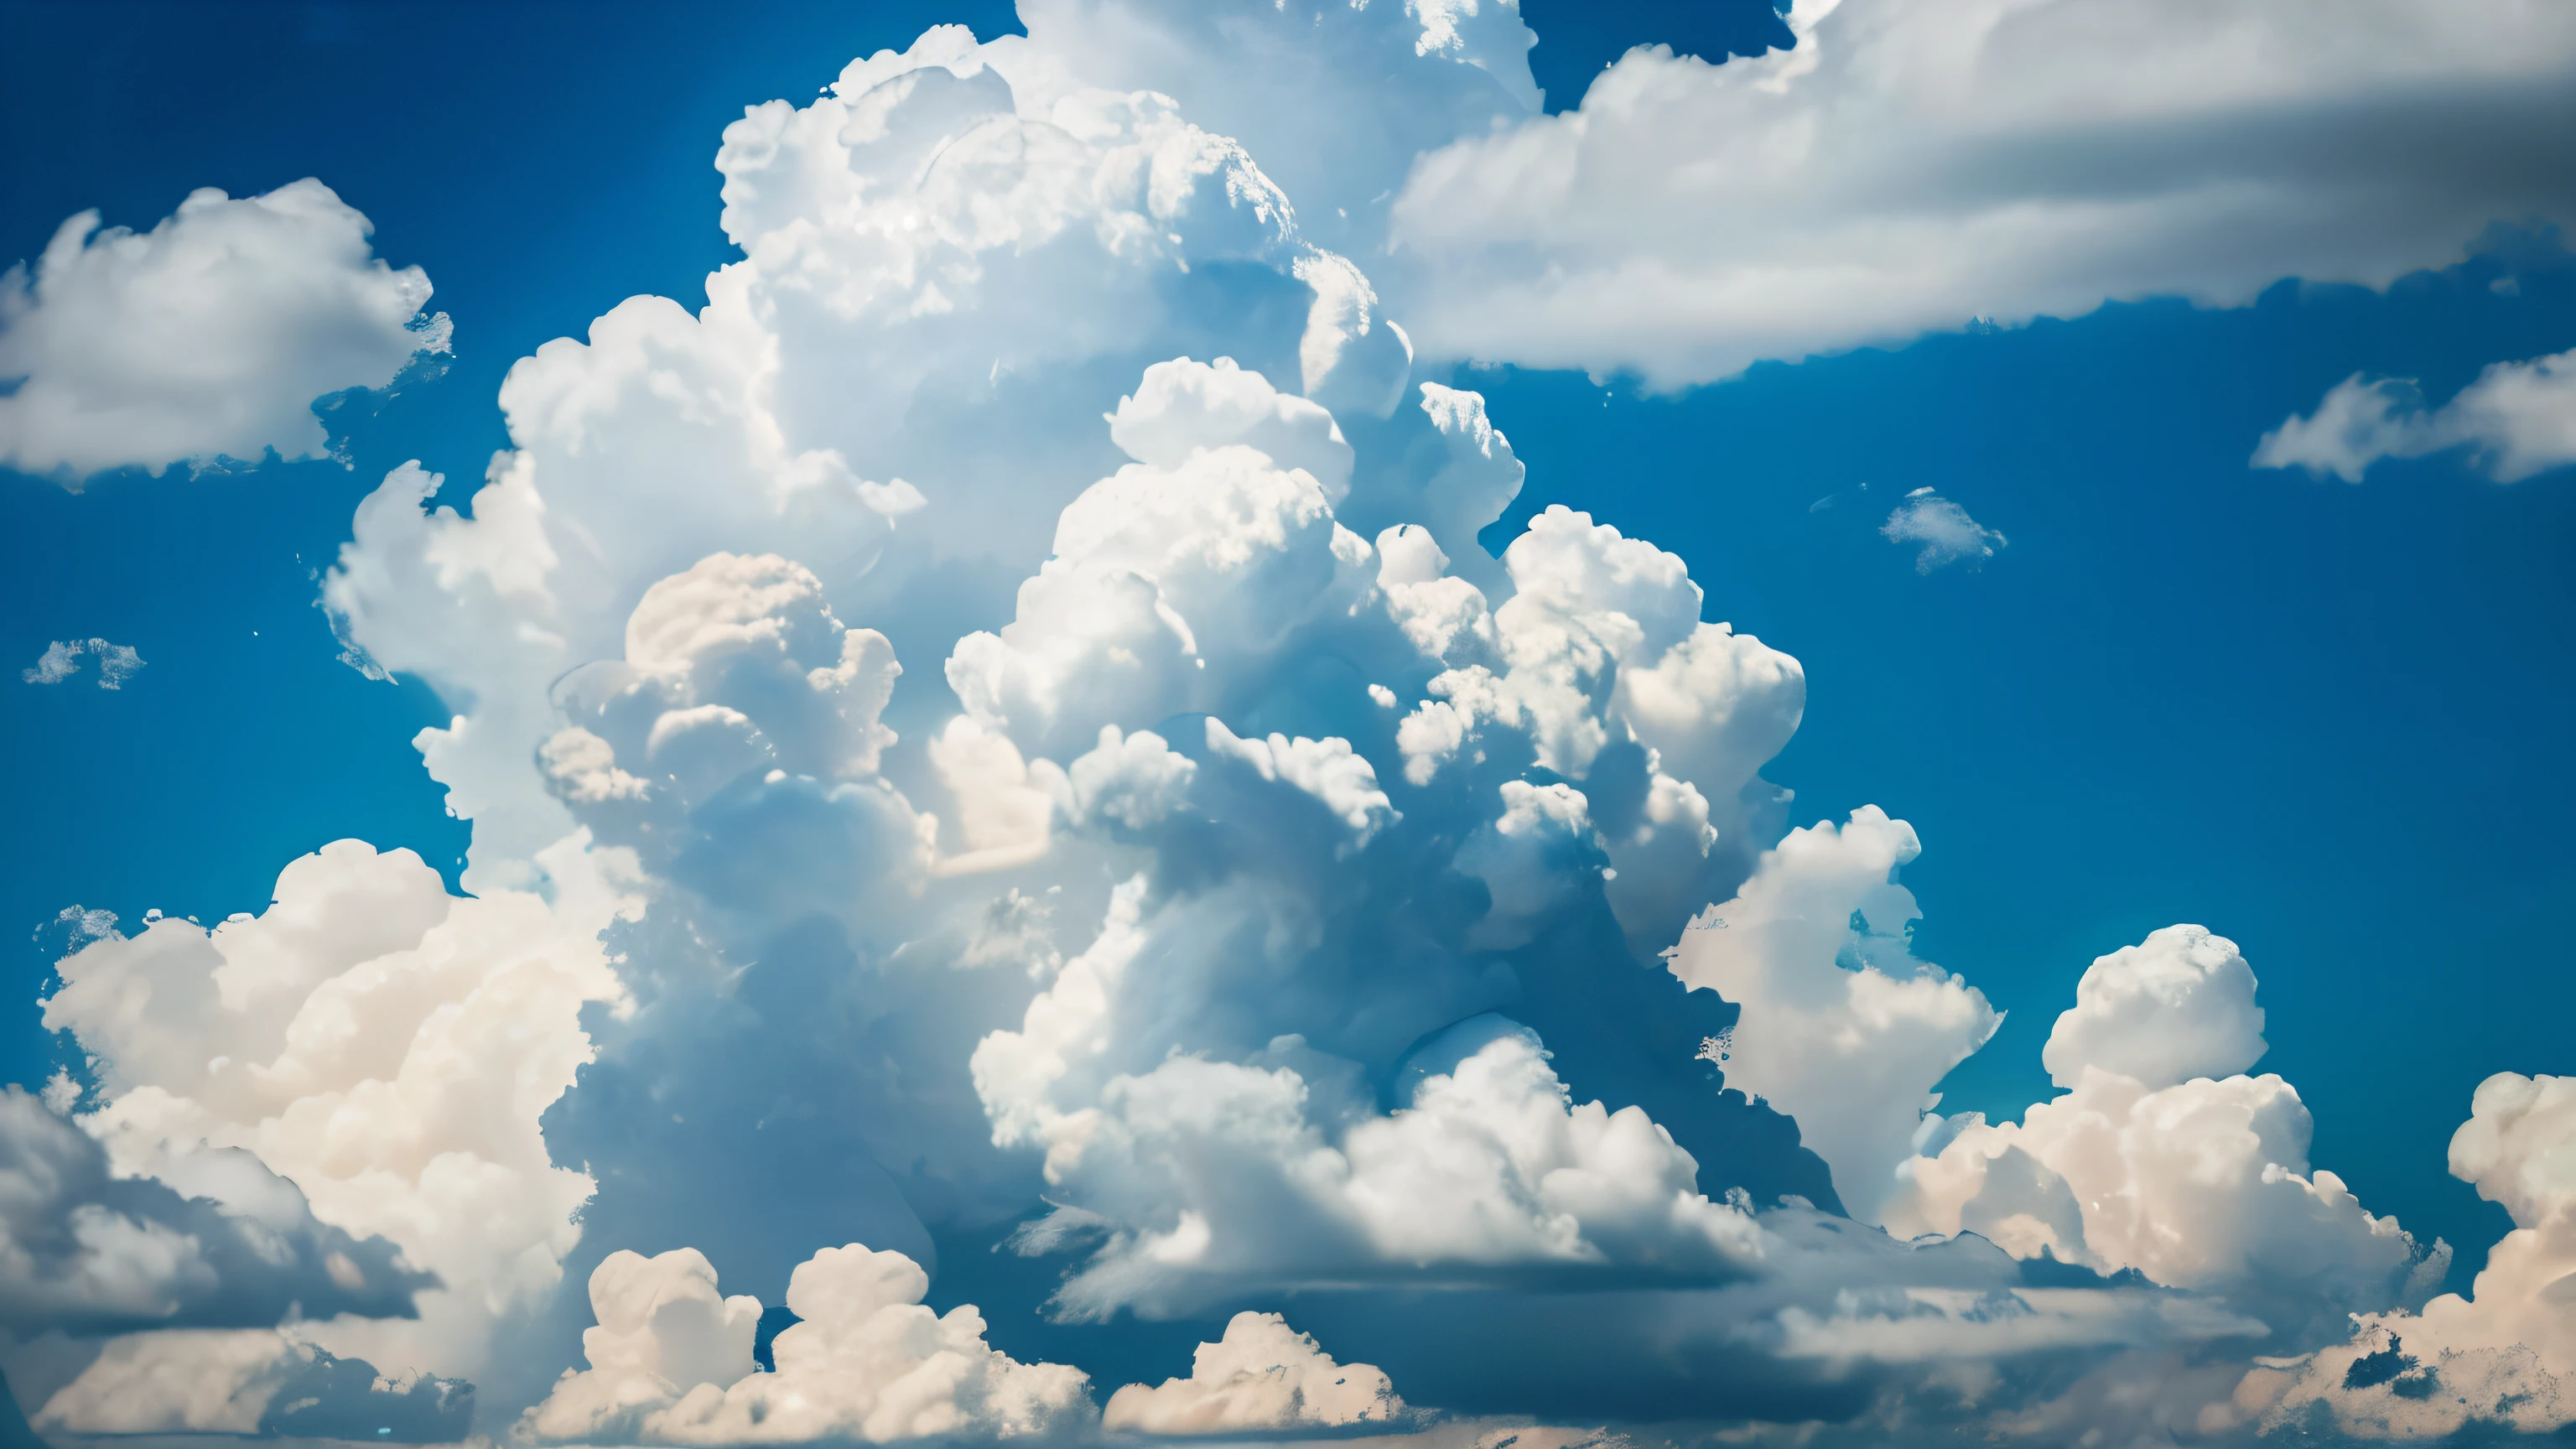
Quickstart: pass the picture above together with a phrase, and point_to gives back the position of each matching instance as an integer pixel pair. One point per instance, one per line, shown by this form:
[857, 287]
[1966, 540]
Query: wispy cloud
[1944, 529]
[61, 660]
[2517, 419]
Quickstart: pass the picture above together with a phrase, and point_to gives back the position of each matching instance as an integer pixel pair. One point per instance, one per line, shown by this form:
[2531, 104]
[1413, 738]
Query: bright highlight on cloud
[2517, 419]
[210, 336]
[61, 660]
[999, 734]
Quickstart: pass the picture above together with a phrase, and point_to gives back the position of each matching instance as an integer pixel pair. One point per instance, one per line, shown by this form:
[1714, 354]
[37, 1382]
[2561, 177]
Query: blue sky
[2323, 718]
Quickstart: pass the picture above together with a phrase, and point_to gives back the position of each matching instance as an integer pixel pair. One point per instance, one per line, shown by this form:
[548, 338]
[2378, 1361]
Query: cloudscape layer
[1008, 748]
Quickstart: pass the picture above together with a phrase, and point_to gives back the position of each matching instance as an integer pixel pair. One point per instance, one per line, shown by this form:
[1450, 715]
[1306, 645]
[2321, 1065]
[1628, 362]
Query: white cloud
[1342, 782]
[1601, 646]
[2163, 1157]
[1841, 1027]
[216, 1240]
[2177, 1006]
[209, 336]
[1909, 167]
[2515, 420]
[1261, 1375]
[117, 663]
[1944, 529]
[670, 1362]
[384, 1047]
[1212, 1178]
[2504, 1356]
[206, 1382]
[663, 1331]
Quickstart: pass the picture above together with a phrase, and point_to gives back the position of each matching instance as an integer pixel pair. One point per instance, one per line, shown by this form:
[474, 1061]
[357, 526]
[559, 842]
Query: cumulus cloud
[61, 660]
[1261, 1375]
[2163, 1157]
[1840, 1026]
[217, 1240]
[2177, 1006]
[384, 1047]
[209, 336]
[2504, 1357]
[1906, 168]
[2515, 420]
[670, 1362]
[1488, 1172]
[1944, 529]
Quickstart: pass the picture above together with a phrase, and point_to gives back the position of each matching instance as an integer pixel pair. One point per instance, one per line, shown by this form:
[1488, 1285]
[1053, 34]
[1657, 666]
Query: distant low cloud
[1262, 1375]
[117, 663]
[2517, 419]
[210, 336]
[671, 1362]
[1944, 529]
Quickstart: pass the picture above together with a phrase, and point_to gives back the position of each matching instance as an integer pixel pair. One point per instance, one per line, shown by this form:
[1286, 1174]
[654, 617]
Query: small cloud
[1945, 530]
[117, 663]
[2513, 421]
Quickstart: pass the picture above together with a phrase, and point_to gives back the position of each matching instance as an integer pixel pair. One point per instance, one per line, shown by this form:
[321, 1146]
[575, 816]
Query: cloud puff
[2162, 1157]
[217, 1241]
[671, 1362]
[209, 336]
[2505, 1356]
[2177, 1006]
[1944, 529]
[1201, 1179]
[384, 1047]
[1841, 1027]
[117, 663]
[2515, 420]
[1906, 168]
[1261, 1375]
